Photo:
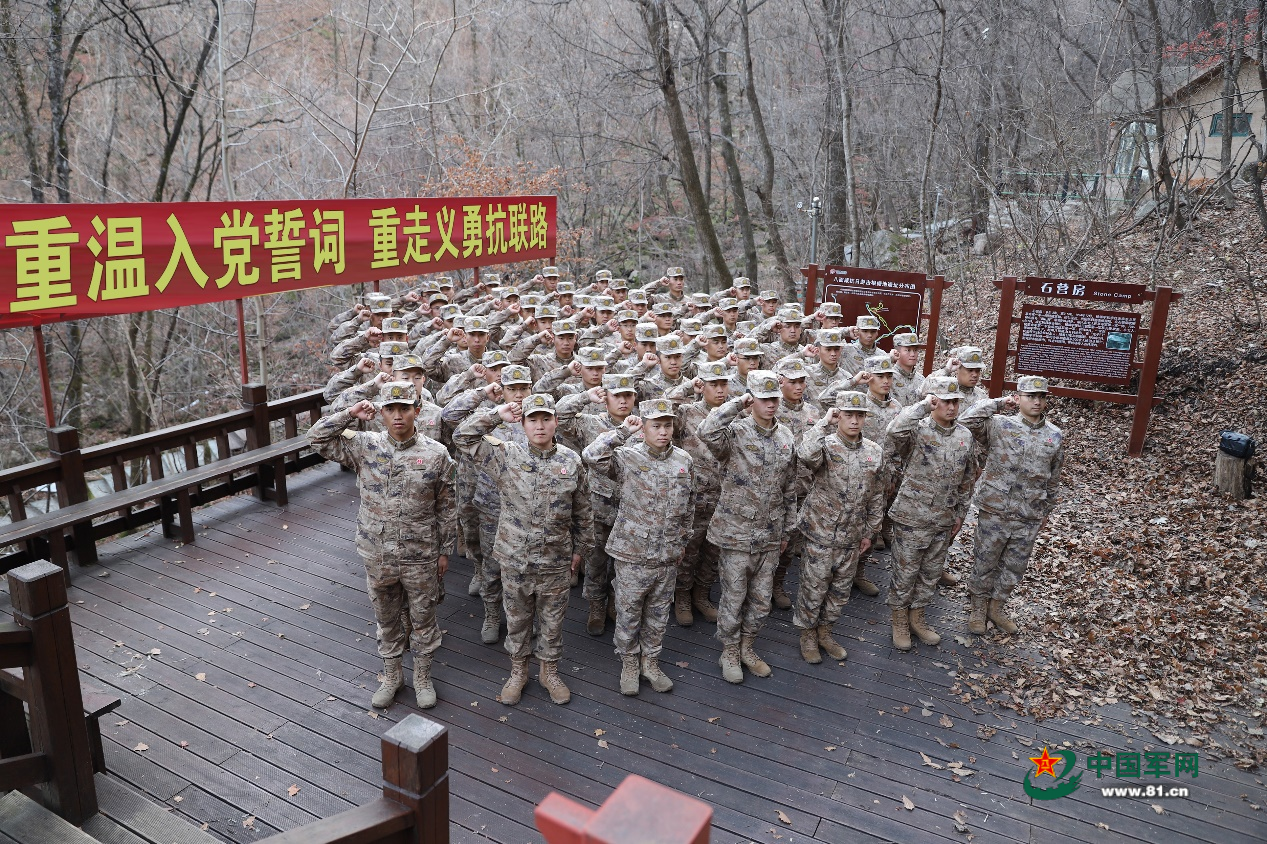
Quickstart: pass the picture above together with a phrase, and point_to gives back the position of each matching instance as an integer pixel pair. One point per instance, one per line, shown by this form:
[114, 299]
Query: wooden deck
[246, 663]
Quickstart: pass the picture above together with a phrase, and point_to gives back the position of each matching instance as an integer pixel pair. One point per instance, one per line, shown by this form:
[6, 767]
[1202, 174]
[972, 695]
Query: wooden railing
[134, 460]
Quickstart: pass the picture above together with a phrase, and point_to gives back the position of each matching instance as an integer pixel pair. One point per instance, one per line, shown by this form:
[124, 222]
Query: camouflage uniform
[798, 417]
[1016, 492]
[650, 532]
[755, 509]
[845, 504]
[407, 519]
[699, 566]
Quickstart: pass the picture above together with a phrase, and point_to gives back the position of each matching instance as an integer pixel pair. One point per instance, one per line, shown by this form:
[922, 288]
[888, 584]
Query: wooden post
[1002, 337]
[638, 812]
[1148, 375]
[416, 774]
[811, 286]
[72, 487]
[1233, 475]
[934, 322]
[38, 594]
[46, 386]
[255, 399]
[242, 363]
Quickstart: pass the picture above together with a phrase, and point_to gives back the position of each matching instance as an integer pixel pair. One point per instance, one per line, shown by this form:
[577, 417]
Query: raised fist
[366, 366]
[493, 391]
[651, 359]
[374, 335]
[597, 395]
[1010, 403]
[363, 410]
[510, 413]
[632, 424]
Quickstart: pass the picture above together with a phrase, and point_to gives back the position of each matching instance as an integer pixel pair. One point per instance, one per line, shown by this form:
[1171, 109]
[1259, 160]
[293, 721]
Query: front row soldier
[937, 459]
[405, 528]
[755, 509]
[545, 530]
[1024, 454]
[842, 511]
[648, 538]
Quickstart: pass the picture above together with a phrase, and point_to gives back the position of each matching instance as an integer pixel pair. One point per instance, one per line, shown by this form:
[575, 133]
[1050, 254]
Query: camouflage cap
[495, 357]
[618, 284]
[728, 303]
[741, 283]
[941, 387]
[564, 326]
[506, 292]
[397, 392]
[879, 365]
[714, 330]
[663, 309]
[830, 337]
[450, 312]
[906, 339]
[769, 295]
[604, 303]
[852, 400]
[867, 322]
[699, 299]
[547, 311]
[671, 345]
[395, 325]
[791, 367]
[550, 272]
[539, 403]
[744, 326]
[373, 356]
[627, 316]
[675, 272]
[492, 279]
[429, 286]
[444, 281]
[714, 370]
[532, 300]
[402, 363]
[764, 384]
[437, 297]
[602, 275]
[379, 303]
[638, 297]
[582, 300]
[692, 327]
[459, 321]
[475, 323]
[656, 409]
[646, 332]
[516, 373]
[748, 347]
[830, 309]
[619, 384]
[591, 356]
[970, 357]
[789, 315]
[565, 288]
[1031, 384]
[391, 348]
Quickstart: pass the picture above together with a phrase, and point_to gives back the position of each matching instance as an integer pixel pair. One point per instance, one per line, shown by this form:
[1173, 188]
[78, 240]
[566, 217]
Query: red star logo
[1044, 764]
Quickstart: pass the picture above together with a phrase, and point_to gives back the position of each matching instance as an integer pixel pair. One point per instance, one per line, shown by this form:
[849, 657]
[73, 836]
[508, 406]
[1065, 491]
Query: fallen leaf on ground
[1157, 808]
[305, 606]
[714, 719]
[201, 677]
[249, 823]
[141, 747]
[372, 714]
[945, 721]
[602, 743]
[600, 732]
[293, 790]
[906, 801]
[929, 762]
[783, 817]
[682, 664]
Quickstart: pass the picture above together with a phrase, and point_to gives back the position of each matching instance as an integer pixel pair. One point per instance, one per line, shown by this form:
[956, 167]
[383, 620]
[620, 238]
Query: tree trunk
[731, 157]
[929, 236]
[9, 42]
[765, 188]
[1162, 171]
[1231, 70]
[655, 18]
[838, 79]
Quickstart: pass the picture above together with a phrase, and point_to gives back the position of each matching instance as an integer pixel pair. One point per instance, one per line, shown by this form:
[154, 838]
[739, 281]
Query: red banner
[63, 262]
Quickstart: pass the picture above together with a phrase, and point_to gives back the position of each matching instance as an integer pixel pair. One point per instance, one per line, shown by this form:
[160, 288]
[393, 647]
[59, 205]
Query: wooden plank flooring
[246, 663]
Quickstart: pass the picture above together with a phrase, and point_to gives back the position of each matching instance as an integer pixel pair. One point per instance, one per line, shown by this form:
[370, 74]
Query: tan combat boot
[682, 607]
[549, 677]
[863, 585]
[597, 618]
[749, 657]
[492, 628]
[393, 679]
[699, 597]
[659, 681]
[779, 596]
[901, 629]
[998, 615]
[514, 688]
[976, 614]
[809, 647]
[947, 579]
[926, 634]
[473, 588]
[829, 645]
[730, 668]
[423, 690]
[629, 674]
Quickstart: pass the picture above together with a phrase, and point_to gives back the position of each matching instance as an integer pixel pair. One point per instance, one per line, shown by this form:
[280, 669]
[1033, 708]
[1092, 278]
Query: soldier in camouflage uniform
[665, 373]
[745, 358]
[1017, 492]
[406, 526]
[867, 330]
[939, 467]
[966, 364]
[842, 511]
[545, 530]
[654, 481]
[825, 372]
[755, 509]
[797, 415]
[907, 383]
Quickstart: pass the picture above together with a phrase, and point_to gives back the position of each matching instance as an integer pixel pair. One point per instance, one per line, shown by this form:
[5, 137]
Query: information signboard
[895, 298]
[1077, 343]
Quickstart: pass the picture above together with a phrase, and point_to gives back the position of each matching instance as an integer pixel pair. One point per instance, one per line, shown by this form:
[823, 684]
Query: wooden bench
[171, 492]
[97, 704]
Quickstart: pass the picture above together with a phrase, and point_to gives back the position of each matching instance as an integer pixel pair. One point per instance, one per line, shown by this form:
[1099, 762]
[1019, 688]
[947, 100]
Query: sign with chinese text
[895, 298]
[1094, 291]
[63, 262]
[1077, 343]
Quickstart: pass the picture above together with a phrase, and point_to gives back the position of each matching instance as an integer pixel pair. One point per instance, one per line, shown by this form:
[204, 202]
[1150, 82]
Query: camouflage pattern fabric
[644, 594]
[1022, 465]
[907, 386]
[938, 465]
[533, 592]
[827, 573]
[747, 579]
[846, 498]
[1001, 553]
[919, 558]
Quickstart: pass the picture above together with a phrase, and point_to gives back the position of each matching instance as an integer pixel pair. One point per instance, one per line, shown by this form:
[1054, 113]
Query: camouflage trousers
[1001, 554]
[747, 579]
[795, 547]
[644, 593]
[826, 577]
[396, 588]
[469, 516]
[491, 571]
[531, 592]
[700, 563]
[919, 558]
[599, 568]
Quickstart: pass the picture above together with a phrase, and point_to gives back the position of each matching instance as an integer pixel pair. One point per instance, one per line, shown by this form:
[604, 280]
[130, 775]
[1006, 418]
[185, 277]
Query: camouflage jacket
[882, 413]
[581, 421]
[938, 465]
[846, 498]
[428, 423]
[757, 504]
[906, 388]
[408, 501]
[798, 419]
[487, 498]
[653, 519]
[777, 351]
[707, 470]
[341, 381]
[545, 502]
[654, 385]
[853, 357]
[820, 379]
[1022, 462]
[350, 349]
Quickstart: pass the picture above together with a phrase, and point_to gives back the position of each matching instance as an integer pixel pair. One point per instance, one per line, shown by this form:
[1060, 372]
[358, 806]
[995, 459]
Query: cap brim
[766, 394]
